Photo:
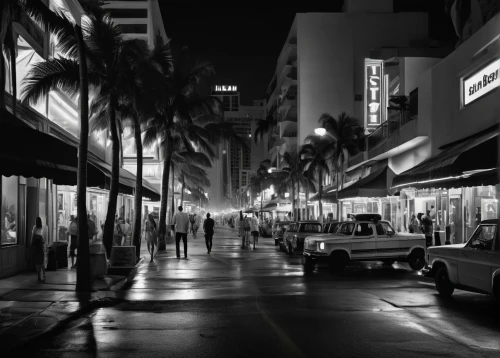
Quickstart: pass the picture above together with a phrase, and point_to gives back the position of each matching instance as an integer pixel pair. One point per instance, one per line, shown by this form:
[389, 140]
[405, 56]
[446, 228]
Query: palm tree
[111, 73]
[264, 126]
[290, 176]
[183, 106]
[344, 129]
[261, 181]
[75, 79]
[316, 156]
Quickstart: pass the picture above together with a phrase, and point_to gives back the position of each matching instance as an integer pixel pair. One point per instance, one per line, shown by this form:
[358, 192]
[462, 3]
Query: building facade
[37, 187]
[322, 69]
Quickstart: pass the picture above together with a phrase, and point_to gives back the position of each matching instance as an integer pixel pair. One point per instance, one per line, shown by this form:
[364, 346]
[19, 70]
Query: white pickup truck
[473, 266]
[367, 238]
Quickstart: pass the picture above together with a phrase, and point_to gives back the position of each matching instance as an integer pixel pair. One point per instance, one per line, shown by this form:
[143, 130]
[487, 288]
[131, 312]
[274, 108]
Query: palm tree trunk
[293, 200]
[298, 200]
[307, 201]
[83, 268]
[173, 189]
[337, 191]
[164, 191]
[261, 200]
[14, 79]
[182, 192]
[115, 177]
[3, 78]
[138, 191]
[320, 190]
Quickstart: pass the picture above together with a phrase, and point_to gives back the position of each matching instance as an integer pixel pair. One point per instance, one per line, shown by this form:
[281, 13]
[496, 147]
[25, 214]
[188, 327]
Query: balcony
[398, 134]
[287, 114]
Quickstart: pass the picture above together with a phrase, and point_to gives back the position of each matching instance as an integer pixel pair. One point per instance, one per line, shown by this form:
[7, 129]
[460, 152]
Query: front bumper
[312, 257]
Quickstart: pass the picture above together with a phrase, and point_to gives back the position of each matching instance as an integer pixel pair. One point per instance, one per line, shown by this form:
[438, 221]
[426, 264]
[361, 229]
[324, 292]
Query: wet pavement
[246, 303]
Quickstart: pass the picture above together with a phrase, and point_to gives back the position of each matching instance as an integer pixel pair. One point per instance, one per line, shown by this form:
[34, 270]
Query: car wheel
[443, 283]
[417, 260]
[338, 261]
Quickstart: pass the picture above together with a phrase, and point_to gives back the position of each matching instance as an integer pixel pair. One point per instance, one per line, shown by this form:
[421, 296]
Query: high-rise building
[237, 162]
[322, 68]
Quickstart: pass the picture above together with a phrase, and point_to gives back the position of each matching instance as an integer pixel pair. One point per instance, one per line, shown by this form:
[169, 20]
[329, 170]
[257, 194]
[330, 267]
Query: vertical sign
[374, 94]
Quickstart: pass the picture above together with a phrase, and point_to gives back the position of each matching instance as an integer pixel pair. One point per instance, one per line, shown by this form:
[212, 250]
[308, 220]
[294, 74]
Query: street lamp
[320, 131]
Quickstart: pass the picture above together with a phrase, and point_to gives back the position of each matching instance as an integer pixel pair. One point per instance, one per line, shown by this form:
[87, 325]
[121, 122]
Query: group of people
[181, 226]
[248, 226]
[423, 223]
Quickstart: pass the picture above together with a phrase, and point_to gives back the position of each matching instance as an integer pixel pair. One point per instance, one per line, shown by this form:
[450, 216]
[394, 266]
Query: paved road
[245, 303]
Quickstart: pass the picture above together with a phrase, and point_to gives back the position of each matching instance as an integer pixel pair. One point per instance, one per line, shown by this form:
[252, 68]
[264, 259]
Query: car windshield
[384, 229]
[333, 228]
[311, 227]
[483, 237]
[346, 229]
[325, 230]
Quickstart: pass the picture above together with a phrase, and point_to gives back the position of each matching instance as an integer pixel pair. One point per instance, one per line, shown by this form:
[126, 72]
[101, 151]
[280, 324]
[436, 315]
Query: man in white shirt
[180, 224]
[254, 228]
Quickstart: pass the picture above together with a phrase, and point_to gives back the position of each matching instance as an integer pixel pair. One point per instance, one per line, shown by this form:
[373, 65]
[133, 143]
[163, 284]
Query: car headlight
[322, 246]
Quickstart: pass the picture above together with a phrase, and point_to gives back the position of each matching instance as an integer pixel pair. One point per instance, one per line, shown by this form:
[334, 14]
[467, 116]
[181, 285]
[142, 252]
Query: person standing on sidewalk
[38, 247]
[73, 243]
[150, 235]
[208, 227]
[247, 230]
[119, 232]
[427, 228]
[180, 223]
[241, 229]
[254, 228]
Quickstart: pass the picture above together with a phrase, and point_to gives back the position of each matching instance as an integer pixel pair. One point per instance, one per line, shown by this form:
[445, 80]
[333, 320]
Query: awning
[99, 175]
[471, 161]
[27, 152]
[328, 195]
[375, 185]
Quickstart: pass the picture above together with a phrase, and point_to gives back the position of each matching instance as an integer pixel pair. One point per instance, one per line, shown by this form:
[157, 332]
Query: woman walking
[241, 229]
[38, 248]
[150, 235]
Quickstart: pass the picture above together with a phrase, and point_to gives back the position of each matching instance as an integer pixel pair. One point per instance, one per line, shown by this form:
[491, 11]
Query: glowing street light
[320, 131]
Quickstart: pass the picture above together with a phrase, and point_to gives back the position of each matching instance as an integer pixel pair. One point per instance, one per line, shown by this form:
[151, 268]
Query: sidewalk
[29, 309]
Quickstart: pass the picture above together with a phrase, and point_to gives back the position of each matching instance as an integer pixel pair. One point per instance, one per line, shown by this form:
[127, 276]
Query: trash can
[61, 249]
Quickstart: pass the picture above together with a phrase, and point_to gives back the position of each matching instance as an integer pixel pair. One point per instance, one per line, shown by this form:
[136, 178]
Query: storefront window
[9, 210]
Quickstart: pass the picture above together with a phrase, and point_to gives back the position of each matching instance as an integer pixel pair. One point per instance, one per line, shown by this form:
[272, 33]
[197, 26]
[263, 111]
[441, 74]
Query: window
[346, 229]
[8, 210]
[333, 227]
[483, 237]
[134, 28]
[311, 228]
[363, 229]
[226, 102]
[129, 13]
[234, 104]
[384, 229]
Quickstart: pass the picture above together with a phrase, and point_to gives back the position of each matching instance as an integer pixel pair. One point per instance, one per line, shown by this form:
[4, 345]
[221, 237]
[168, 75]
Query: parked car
[297, 232]
[278, 231]
[367, 238]
[473, 266]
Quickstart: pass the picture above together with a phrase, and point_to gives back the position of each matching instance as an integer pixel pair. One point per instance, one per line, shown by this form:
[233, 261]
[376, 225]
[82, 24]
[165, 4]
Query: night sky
[243, 39]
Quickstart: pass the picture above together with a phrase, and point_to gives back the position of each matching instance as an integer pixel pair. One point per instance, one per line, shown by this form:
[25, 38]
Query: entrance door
[456, 224]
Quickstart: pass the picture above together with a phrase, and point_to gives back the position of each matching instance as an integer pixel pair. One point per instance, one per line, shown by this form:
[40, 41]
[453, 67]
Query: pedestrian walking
[426, 227]
[414, 224]
[119, 232]
[151, 235]
[241, 229]
[254, 228]
[128, 232]
[38, 248]
[92, 227]
[247, 223]
[73, 244]
[180, 224]
[196, 225]
[208, 227]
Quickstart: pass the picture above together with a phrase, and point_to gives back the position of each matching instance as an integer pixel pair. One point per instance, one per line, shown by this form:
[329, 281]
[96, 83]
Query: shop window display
[9, 210]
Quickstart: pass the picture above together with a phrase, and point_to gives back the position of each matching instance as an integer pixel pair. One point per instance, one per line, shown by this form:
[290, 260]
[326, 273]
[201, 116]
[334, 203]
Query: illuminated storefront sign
[373, 80]
[480, 83]
[226, 88]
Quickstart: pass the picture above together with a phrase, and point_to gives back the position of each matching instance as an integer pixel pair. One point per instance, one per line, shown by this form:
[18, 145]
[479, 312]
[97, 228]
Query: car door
[475, 259]
[363, 244]
[387, 242]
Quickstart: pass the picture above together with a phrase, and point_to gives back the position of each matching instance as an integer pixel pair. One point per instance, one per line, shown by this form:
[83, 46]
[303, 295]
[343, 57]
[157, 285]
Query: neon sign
[226, 88]
[480, 83]
[373, 80]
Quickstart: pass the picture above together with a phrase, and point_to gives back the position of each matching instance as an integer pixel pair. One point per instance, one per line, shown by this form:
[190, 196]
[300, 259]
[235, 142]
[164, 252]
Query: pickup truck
[367, 238]
[473, 266]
